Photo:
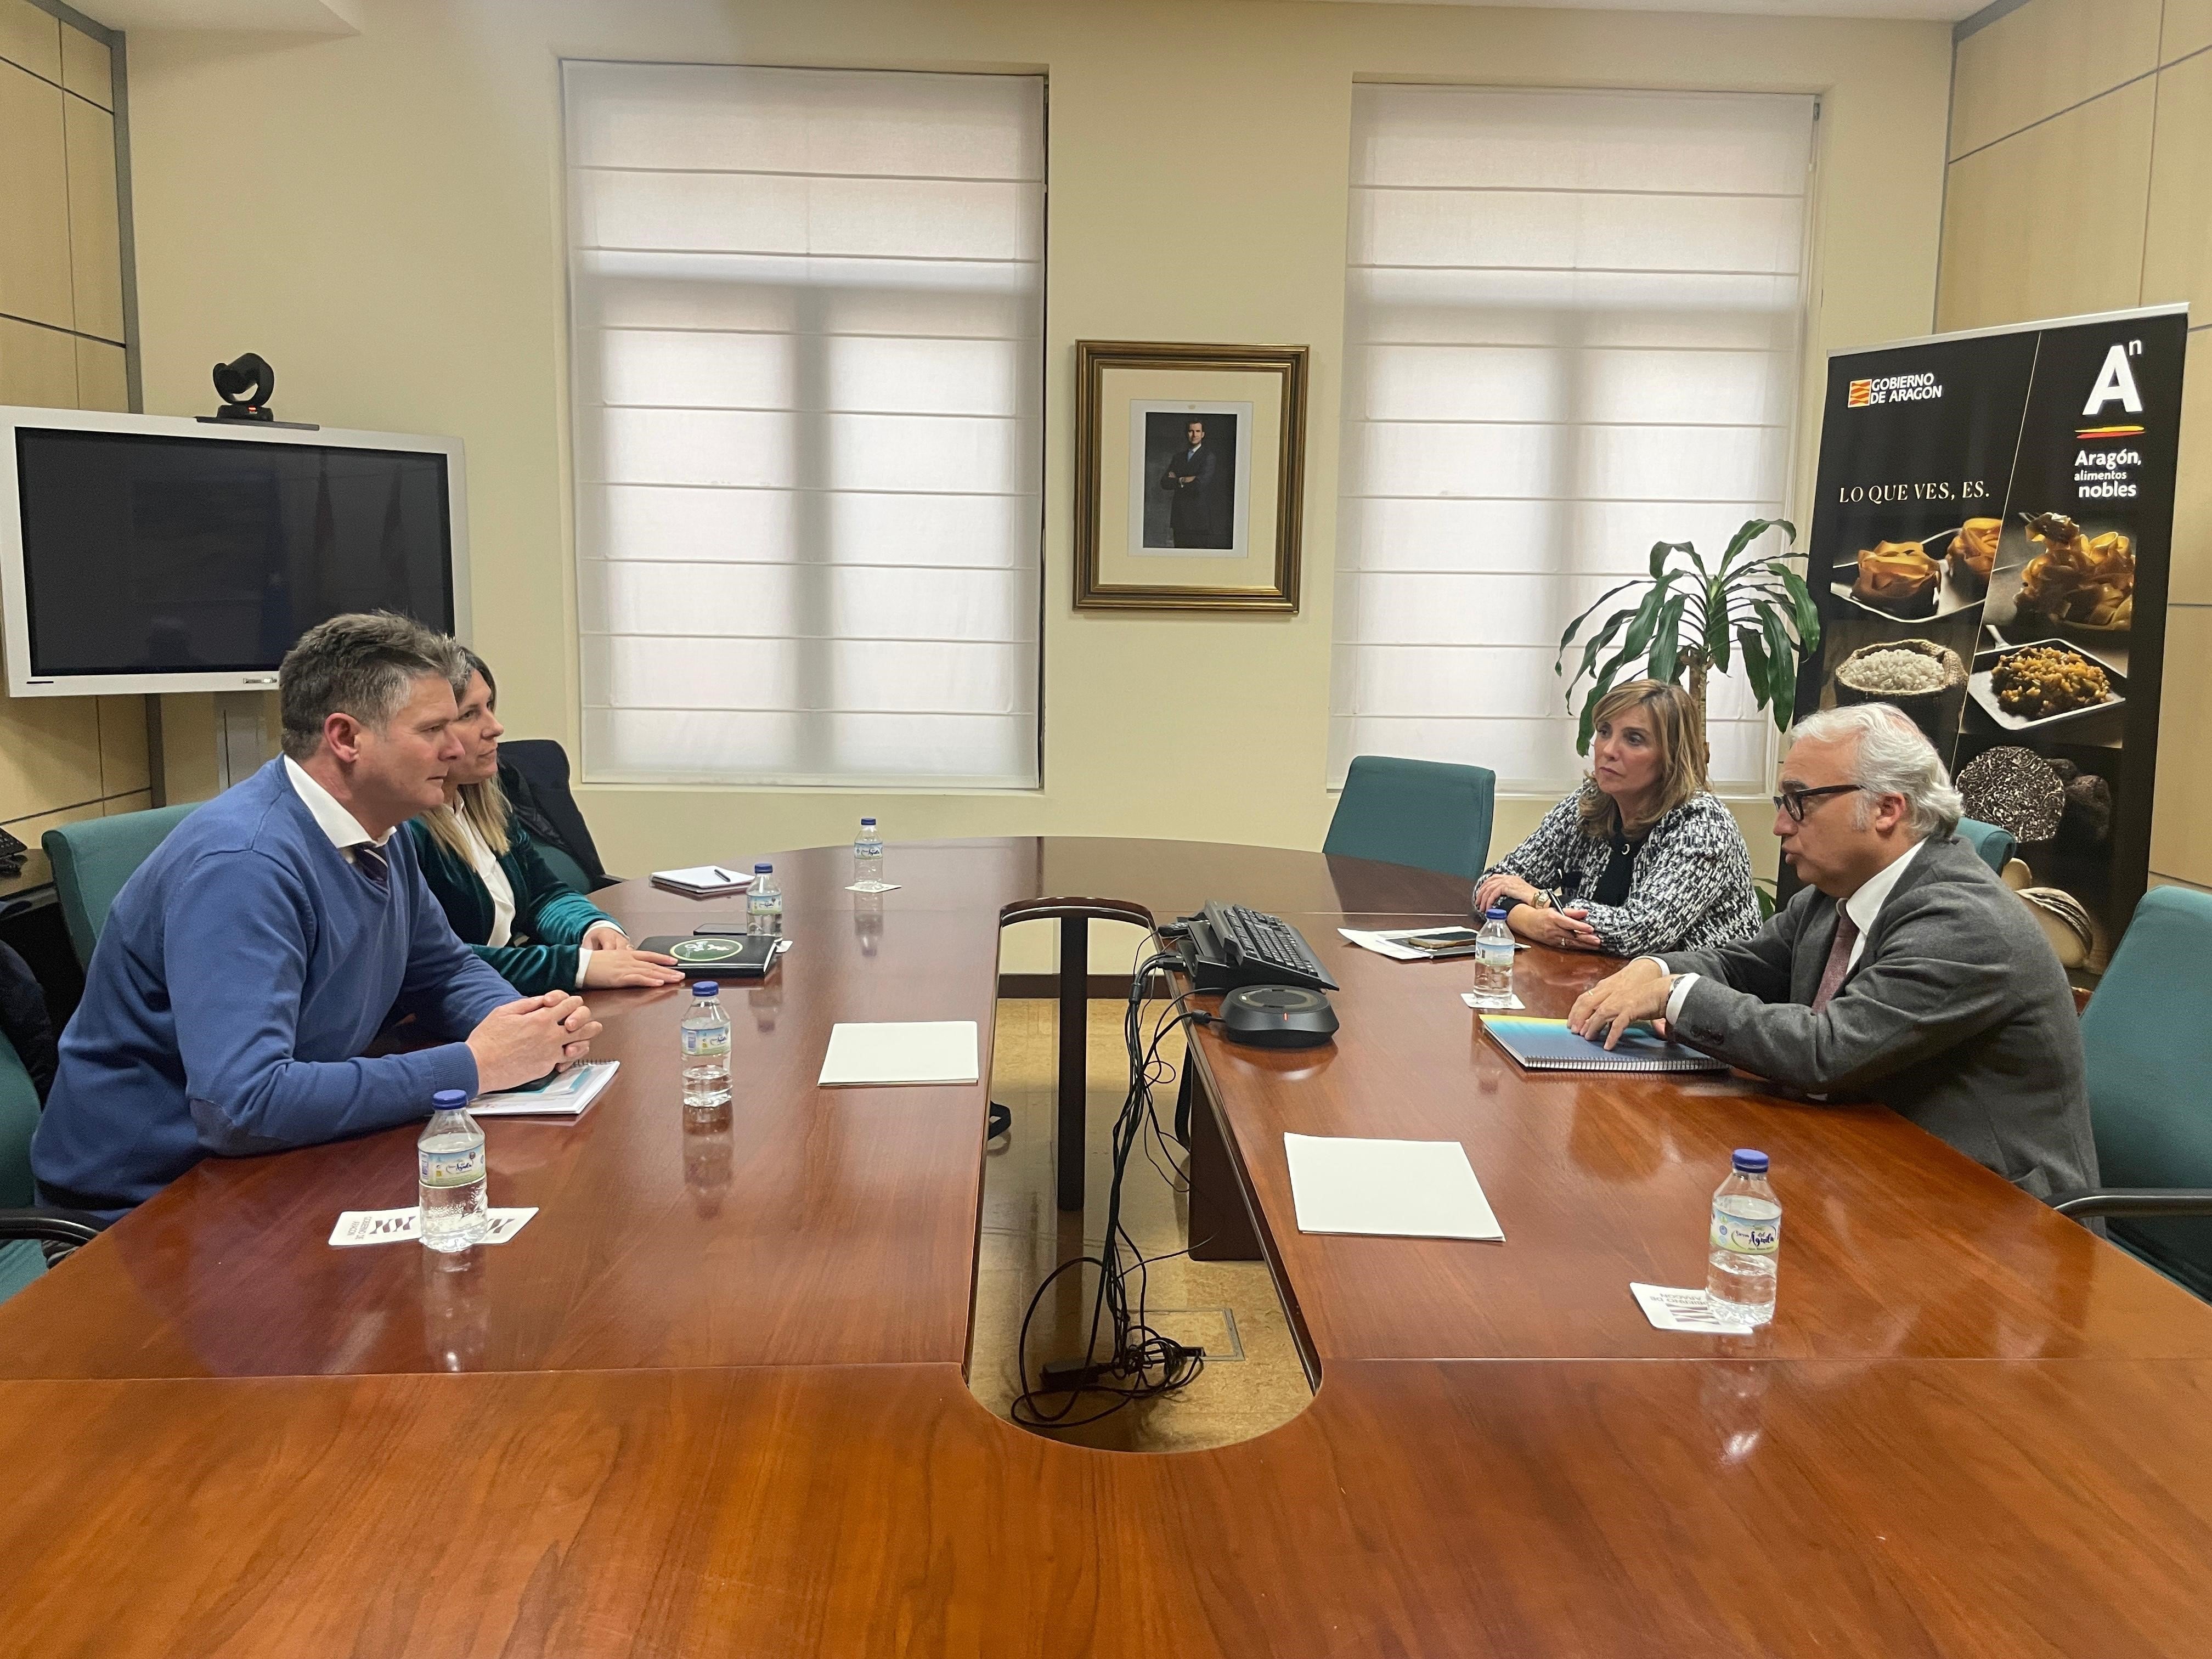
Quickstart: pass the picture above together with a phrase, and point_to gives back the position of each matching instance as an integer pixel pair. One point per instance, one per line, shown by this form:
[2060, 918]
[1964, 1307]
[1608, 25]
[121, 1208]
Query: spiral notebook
[1546, 1045]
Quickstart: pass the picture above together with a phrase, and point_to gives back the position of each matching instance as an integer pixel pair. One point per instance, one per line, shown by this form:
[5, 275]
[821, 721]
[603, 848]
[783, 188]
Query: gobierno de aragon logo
[1893, 389]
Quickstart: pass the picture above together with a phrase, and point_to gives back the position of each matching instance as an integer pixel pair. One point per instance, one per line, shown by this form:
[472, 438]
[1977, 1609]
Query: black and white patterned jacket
[1691, 889]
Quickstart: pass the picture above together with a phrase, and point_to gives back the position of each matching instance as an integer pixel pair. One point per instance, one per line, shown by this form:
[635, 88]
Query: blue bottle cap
[449, 1100]
[762, 869]
[707, 987]
[871, 823]
[1749, 1161]
[1497, 913]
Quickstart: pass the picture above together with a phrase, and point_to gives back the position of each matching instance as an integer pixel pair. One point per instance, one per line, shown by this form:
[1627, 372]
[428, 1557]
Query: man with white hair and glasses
[1904, 972]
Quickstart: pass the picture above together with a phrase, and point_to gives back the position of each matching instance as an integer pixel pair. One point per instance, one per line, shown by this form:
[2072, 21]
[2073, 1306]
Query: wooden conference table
[711, 1400]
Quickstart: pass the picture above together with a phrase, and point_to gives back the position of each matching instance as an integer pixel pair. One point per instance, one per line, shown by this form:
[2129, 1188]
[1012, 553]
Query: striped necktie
[368, 858]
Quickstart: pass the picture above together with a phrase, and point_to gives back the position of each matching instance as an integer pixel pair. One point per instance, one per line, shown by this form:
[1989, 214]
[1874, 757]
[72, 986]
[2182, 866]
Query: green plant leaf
[1568, 638]
[1807, 615]
[1781, 698]
[1603, 637]
[1661, 549]
[1749, 532]
[1667, 641]
[1754, 660]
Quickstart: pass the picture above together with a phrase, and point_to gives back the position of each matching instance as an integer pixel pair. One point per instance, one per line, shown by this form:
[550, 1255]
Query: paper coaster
[873, 887]
[1671, 1310]
[1468, 997]
[393, 1226]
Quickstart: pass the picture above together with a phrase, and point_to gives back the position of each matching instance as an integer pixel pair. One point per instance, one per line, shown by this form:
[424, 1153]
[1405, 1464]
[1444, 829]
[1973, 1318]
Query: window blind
[806, 371]
[1571, 329]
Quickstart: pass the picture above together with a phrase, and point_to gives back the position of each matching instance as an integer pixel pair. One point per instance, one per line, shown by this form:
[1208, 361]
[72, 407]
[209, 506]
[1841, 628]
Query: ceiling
[271, 16]
[1941, 11]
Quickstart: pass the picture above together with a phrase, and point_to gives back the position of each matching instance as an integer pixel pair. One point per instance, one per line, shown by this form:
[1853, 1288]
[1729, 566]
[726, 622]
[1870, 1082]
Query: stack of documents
[704, 881]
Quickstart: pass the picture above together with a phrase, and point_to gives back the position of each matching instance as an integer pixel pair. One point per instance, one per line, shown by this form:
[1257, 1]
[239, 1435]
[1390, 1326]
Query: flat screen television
[154, 553]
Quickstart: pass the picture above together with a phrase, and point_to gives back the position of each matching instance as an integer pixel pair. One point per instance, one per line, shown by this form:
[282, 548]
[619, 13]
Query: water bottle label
[699, 1042]
[1492, 954]
[463, 1169]
[1746, 1235]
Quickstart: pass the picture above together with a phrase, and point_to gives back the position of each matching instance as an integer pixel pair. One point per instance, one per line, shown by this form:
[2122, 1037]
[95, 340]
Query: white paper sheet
[873, 887]
[1672, 1310]
[1404, 1189]
[907, 1051]
[396, 1226]
[1386, 945]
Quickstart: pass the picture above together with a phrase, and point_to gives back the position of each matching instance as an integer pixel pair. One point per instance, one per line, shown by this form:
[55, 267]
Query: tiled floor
[1229, 1307]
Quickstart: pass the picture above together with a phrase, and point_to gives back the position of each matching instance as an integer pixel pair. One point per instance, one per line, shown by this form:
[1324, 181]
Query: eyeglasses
[1794, 801]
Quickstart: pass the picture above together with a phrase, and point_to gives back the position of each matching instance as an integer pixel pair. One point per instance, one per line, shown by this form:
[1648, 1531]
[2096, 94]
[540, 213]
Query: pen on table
[723, 873]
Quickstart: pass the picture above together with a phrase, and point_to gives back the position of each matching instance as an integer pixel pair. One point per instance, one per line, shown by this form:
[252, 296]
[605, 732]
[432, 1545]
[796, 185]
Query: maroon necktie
[1839, 959]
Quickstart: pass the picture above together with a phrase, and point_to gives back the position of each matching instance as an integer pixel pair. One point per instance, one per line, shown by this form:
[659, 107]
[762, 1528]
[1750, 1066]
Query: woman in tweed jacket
[1640, 859]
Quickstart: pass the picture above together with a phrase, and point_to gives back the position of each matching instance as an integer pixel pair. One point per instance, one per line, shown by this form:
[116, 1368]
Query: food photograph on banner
[1989, 543]
[1190, 462]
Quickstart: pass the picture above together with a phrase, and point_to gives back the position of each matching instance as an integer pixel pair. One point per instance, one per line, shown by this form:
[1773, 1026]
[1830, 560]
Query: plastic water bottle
[764, 903]
[451, 1155]
[1493, 961]
[868, 853]
[1746, 1242]
[706, 1052]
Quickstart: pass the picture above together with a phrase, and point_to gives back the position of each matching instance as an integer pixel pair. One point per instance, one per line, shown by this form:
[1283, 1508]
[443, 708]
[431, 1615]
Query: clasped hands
[1563, 930]
[520, 1041]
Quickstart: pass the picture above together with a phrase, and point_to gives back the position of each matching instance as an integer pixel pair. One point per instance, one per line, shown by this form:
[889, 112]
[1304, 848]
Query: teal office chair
[1430, 814]
[2149, 1050]
[1996, 846]
[23, 1224]
[93, 858]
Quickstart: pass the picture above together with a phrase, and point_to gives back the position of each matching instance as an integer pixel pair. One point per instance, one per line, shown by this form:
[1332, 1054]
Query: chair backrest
[93, 858]
[21, 1260]
[1996, 845]
[2150, 1049]
[1432, 815]
[543, 766]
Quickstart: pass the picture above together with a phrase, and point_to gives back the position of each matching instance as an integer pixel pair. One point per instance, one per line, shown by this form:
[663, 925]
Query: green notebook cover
[1546, 1045]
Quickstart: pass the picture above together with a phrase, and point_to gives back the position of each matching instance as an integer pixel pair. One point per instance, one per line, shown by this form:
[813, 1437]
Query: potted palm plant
[1692, 620]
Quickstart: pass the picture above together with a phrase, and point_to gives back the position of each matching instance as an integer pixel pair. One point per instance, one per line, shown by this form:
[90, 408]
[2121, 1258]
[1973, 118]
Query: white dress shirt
[341, 826]
[1861, 906]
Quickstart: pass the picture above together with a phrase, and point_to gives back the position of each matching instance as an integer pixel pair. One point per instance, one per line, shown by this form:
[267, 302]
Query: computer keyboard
[1233, 944]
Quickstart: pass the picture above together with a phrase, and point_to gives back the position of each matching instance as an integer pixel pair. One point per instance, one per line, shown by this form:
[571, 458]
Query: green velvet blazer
[550, 918]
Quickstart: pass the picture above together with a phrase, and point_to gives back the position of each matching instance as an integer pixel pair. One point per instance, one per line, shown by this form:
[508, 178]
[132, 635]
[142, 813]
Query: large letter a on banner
[2115, 383]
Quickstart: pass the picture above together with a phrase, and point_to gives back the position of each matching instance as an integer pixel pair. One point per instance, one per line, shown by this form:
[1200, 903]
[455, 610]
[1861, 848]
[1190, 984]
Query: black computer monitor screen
[151, 555]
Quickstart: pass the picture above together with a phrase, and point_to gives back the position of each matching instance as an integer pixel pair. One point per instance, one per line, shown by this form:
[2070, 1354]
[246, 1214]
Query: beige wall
[61, 345]
[391, 208]
[2080, 180]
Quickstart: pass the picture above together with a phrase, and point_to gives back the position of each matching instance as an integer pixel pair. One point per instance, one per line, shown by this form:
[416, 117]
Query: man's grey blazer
[1957, 1016]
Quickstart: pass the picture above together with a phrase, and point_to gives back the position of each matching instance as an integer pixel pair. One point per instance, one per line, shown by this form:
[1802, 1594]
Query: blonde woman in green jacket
[503, 899]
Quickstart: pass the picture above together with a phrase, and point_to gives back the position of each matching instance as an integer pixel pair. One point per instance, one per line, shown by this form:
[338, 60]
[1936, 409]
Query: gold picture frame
[1190, 469]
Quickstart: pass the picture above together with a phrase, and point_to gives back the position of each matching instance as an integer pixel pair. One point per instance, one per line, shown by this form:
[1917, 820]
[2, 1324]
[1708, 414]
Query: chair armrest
[71, 1227]
[2135, 1201]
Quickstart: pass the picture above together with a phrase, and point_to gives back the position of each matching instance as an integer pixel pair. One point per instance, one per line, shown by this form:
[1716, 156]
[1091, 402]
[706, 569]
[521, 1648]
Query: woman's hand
[1563, 930]
[1499, 887]
[623, 966]
[604, 936]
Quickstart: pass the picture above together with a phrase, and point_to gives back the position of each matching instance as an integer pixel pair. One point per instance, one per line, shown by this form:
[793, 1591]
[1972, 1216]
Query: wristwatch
[1545, 899]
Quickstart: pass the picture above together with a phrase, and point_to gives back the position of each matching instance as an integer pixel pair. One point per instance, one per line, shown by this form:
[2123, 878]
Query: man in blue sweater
[246, 966]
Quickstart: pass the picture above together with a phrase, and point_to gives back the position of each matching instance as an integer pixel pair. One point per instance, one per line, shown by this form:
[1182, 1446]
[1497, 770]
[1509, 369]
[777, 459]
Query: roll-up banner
[1988, 552]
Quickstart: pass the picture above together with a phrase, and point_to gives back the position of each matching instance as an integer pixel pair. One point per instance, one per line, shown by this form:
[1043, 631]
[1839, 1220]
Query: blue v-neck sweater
[242, 970]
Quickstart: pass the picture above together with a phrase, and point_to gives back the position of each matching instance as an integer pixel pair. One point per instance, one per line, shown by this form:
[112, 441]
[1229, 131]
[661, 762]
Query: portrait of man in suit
[1191, 463]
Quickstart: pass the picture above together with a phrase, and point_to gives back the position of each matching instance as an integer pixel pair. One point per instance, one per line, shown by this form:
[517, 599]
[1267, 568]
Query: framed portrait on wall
[1189, 475]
